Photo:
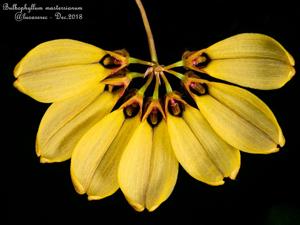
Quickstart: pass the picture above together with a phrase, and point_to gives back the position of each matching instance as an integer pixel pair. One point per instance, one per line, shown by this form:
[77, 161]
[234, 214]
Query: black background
[266, 190]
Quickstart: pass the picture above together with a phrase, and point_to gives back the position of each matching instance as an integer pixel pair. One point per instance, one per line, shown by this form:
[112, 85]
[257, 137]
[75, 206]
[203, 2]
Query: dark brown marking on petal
[154, 117]
[198, 88]
[201, 60]
[131, 110]
[110, 62]
[175, 107]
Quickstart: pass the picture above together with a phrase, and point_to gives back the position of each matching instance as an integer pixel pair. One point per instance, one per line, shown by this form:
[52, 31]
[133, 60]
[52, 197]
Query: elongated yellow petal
[58, 53]
[252, 72]
[248, 106]
[191, 154]
[91, 149]
[249, 45]
[134, 167]
[105, 179]
[148, 168]
[60, 113]
[251, 60]
[59, 83]
[242, 120]
[66, 122]
[163, 168]
[225, 157]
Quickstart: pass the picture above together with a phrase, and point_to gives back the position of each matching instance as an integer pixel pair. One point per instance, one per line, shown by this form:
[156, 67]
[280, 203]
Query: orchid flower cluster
[134, 138]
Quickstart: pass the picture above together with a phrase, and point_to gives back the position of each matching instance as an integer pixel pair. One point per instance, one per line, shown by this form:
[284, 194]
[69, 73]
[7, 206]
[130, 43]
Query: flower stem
[176, 74]
[173, 65]
[133, 75]
[167, 84]
[148, 31]
[140, 61]
[142, 90]
[155, 95]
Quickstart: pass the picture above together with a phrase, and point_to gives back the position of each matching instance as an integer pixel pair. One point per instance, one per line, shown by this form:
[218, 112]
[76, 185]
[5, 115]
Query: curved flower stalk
[120, 135]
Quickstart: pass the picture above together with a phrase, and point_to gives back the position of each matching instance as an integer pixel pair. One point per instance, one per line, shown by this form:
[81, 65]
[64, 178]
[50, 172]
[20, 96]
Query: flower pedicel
[127, 139]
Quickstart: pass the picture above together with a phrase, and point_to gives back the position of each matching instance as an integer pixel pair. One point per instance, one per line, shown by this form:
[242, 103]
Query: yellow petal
[241, 119]
[134, 167]
[59, 83]
[191, 154]
[91, 149]
[224, 156]
[105, 179]
[251, 60]
[256, 73]
[64, 123]
[58, 53]
[247, 105]
[163, 168]
[250, 45]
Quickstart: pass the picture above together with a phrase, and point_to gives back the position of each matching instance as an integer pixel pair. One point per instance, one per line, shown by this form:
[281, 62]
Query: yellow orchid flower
[59, 69]
[251, 60]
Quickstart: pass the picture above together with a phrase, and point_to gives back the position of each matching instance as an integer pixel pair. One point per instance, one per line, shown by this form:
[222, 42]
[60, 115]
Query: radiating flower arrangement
[119, 137]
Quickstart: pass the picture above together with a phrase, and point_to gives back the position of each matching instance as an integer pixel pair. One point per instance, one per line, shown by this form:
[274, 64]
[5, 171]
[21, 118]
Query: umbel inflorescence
[133, 139]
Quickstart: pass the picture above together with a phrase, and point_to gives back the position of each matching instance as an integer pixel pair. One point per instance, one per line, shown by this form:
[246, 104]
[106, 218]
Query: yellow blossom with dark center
[250, 60]
[121, 134]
